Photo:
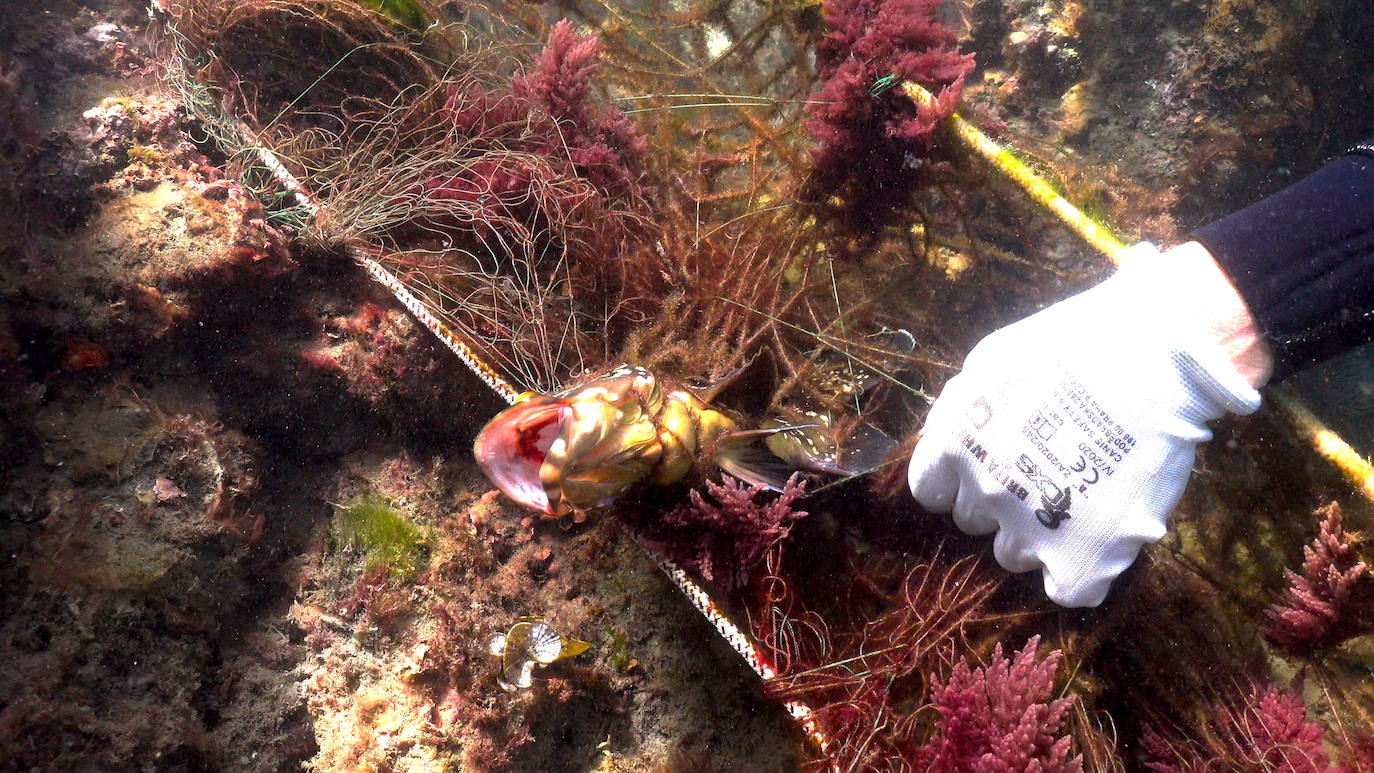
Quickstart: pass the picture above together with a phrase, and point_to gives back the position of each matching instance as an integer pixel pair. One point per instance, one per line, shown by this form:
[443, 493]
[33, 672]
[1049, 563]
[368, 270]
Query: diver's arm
[1218, 309]
[1289, 281]
[1303, 260]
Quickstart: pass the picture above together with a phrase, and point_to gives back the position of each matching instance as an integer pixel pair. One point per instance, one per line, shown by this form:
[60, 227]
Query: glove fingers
[1013, 551]
[933, 475]
[971, 514]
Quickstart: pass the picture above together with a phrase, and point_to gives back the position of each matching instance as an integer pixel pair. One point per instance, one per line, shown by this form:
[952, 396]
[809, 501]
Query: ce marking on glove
[1082, 466]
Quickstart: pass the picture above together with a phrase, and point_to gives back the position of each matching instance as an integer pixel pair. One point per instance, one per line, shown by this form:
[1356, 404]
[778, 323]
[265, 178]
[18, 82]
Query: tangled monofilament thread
[504, 209]
[867, 687]
[699, 598]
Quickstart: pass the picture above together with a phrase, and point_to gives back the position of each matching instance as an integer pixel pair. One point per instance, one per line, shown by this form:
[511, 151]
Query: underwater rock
[179, 552]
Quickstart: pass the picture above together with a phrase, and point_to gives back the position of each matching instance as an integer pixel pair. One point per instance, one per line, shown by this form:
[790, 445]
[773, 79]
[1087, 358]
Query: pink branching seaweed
[1266, 731]
[871, 145]
[868, 693]
[562, 78]
[1000, 718]
[604, 146]
[542, 152]
[724, 538]
[1320, 607]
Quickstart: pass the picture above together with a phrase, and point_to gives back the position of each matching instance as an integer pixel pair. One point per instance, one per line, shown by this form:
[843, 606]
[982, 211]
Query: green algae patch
[618, 655]
[406, 13]
[371, 524]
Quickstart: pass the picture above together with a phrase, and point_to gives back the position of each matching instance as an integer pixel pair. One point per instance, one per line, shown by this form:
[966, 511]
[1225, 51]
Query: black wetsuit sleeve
[1303, 260]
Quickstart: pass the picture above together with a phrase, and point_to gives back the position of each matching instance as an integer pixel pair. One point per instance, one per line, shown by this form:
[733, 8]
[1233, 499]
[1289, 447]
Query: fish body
[582, 447]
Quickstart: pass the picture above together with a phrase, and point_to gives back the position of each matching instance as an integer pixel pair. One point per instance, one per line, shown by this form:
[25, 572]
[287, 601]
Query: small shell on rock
[529, 642]
[496, 645]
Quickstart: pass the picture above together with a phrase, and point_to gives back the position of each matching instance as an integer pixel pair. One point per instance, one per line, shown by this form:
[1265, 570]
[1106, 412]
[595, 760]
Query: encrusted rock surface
[192, 407]
[187, 405]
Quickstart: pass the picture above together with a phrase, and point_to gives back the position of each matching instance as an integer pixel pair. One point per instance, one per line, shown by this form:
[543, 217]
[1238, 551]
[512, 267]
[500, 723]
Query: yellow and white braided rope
[1015, 169]
[417, 309]
[737, 639]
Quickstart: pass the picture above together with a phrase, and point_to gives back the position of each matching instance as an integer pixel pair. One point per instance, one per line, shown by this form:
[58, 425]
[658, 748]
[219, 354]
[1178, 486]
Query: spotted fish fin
[741, 458]
[808, 446]
[812, 447]
[866, 449]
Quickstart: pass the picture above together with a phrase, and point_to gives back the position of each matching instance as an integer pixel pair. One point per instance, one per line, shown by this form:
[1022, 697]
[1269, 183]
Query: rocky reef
[240, 526]
[193, 409]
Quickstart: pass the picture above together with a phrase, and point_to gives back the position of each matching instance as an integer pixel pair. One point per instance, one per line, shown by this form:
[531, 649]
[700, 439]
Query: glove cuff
[1170, 297]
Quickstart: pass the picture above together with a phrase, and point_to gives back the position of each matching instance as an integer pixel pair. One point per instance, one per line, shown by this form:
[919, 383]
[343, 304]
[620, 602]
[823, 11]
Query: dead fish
[528, 643]
[583, 447]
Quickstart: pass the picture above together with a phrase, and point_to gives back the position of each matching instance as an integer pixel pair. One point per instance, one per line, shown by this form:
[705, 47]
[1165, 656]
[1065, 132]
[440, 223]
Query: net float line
[1035, 186]
[697, 596]
[739, 641]
[1326, 442]
[1355, 467]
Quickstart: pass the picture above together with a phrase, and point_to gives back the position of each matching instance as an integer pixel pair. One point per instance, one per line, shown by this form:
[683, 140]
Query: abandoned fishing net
[705, 190]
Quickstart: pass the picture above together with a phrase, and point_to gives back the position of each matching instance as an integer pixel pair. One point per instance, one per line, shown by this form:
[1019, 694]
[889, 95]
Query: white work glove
[1072, 432]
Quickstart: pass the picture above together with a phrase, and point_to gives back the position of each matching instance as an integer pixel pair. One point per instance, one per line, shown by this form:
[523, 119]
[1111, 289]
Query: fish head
[512, 447]
[576, 449]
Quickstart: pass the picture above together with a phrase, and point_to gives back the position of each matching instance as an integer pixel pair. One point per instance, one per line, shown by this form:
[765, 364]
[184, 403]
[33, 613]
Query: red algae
[725, 537]
[1265, 729]
[874, 140]
[1001, 718]
[1329, 601]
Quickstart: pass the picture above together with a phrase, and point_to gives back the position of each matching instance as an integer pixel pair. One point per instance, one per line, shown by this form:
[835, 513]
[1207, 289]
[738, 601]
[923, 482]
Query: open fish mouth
[511, 452]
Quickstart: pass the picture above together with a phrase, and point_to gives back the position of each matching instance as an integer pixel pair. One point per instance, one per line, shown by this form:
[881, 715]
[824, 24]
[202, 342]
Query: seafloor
[196, 415]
